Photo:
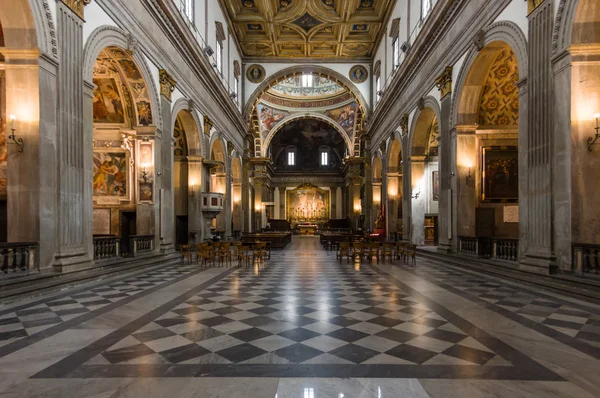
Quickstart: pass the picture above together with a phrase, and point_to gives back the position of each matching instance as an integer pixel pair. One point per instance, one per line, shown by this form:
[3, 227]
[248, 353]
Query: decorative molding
[421, 103]
[132, 44]
[77, 6]
[382, 147]
[404, 124]
[230, 148]
[167, 84]
[208, 124]
[444, 82]
[479, 40]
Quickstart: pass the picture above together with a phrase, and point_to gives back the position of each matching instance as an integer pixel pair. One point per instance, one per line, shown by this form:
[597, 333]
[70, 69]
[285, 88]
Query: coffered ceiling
[307, 28]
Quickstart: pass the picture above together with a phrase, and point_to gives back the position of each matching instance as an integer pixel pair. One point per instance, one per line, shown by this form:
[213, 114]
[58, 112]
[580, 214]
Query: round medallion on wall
[358, 74]
[255, 73]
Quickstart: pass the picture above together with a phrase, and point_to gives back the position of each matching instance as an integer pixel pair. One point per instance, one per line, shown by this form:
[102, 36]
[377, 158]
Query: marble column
[466, 189]
[339, 209]
[444, 84]
[277, 200]
[165, 187]
[405, 191]
[392, 202]
[31, 84]
[72, 235]
[418, 204]
[354, 184]
[539, 251]
[237, 215]
[196, 220]
[246, 199]
[368, 181]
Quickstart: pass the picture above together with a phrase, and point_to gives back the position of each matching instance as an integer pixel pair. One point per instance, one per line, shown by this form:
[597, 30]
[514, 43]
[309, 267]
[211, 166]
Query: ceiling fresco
[307, 28]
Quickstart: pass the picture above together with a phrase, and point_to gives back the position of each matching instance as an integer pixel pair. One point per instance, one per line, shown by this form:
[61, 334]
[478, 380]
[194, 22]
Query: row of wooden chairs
[209, 253]
[369, 251]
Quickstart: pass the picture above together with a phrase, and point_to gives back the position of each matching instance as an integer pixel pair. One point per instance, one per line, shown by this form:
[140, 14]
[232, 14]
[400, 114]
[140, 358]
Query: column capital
[167, 84]
[208, 124]
[404, 124]
[444, 82]
[77, 6]
[532, 5]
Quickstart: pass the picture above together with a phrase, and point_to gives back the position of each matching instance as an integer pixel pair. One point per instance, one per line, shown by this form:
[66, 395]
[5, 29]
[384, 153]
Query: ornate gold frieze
[207, 125]
[533, 4]
[167, 83]
[77, 6]
[444, 82]
[404, 124]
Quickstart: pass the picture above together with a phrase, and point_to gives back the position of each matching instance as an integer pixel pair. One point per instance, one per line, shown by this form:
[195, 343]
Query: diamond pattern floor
[319, 312]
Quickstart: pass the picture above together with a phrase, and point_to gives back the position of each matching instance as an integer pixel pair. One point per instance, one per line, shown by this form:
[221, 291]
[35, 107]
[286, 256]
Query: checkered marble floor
[578, 321]
[28, 320]
[310, 312]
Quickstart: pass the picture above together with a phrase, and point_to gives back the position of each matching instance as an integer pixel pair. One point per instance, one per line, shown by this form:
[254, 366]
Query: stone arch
[110, 36]
[377, 166]
[563, 26]
[394, 153]
[422, 121]
[218, 149]
[494, 35]
[192, 125]
[236, 169]
[320, 70]
[28, 24]
[318, 116]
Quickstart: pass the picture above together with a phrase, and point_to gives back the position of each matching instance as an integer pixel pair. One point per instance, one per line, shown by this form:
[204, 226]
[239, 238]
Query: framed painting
[146, 192]
[307, 203]
[435, 185]
[500, 174]
[111, 173]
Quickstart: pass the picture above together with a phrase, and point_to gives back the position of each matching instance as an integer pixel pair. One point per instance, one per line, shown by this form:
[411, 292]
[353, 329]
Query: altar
[307, 208]
[307, 229]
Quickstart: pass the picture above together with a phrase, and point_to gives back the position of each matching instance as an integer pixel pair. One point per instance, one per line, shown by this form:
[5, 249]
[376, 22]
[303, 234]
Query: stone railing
[468, 245]
[21, 257]
[141, 244]
[585, 258]
[505, 249]
[106, 247]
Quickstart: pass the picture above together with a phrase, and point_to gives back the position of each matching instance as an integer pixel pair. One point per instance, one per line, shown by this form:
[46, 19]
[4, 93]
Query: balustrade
[505, 249]
[22, 257]
[468, 245]
[586, 258]
[141, 244]
[106, 247]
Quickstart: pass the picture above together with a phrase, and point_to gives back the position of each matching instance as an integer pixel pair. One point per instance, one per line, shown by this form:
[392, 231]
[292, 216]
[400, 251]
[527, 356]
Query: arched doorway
[185, 181]
[425, 186]
[394, 190]
[487, 154]
[123, 153]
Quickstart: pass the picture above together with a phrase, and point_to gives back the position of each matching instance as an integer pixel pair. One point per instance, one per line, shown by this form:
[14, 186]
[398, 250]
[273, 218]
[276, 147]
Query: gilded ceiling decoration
[500, 99]
[308, 28]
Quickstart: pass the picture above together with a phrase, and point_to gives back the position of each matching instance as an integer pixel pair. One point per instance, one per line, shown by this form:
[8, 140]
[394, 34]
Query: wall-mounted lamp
[193, 193]
[145, 172]
[592, 140]
[468, 177]
[18, 141]
[416, 191]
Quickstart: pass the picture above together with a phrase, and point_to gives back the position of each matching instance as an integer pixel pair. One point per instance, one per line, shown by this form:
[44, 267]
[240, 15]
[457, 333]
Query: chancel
[299, 198]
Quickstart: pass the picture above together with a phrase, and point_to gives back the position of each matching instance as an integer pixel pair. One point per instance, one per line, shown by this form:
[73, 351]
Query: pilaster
[167, 192]
[72, 233]
[539, 252]
[444, 84]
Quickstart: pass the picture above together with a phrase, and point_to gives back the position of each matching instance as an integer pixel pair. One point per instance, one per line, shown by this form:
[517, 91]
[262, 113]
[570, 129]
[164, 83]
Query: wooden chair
[260, 251]
[400, 254]
[358, 250]
[373, 251]
[186, 252]
[243, 255]
[387, 251]
[224, 253]
[236, 248]
[205, 255]
[344, 250]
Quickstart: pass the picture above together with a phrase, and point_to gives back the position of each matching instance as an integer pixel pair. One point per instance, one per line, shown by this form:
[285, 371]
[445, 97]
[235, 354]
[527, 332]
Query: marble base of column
[541, 263]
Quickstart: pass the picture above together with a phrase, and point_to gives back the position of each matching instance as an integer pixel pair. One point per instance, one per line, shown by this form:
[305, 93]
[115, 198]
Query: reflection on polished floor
[301, 325]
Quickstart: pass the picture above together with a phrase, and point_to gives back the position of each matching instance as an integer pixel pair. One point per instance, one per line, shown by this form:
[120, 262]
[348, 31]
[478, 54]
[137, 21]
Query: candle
[12, 118]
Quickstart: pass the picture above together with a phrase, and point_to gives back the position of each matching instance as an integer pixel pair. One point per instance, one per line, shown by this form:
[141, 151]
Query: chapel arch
[123, 151]
[488, 126]
[394, 188]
